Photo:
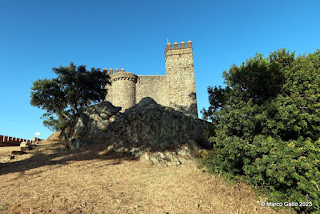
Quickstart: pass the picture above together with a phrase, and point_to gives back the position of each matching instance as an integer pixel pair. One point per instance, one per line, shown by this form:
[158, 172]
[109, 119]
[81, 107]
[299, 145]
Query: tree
[64, 98]
[267, 125]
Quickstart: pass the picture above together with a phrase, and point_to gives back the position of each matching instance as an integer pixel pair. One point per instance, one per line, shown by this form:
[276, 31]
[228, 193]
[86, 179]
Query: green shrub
[287, 171]
[267, 122]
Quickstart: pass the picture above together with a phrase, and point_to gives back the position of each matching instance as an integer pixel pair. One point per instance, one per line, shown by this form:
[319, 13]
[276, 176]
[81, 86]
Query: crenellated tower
[175, 89]
[180, 78]
[122, 91]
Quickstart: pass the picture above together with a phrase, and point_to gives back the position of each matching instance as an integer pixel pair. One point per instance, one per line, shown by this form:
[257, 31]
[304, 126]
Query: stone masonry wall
[124, 89]
[175, 89]
[152, 86]
[180, 78]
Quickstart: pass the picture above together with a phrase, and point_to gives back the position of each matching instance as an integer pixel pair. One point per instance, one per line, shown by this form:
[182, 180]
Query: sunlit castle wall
[180, 78]
[175, 89]
[153, 86]
[123, 90]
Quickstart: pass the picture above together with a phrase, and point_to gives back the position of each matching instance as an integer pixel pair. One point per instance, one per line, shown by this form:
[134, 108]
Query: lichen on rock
[93, 123]
[148, 131]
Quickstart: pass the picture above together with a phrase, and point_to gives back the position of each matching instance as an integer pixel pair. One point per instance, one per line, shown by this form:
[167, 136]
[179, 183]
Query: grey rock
[146, 101]
[92, 124]
[157, 127]
[149, 131]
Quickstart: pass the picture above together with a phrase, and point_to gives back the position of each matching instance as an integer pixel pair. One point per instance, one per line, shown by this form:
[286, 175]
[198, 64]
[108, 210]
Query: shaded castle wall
[109, 96]
[14, 141]
[152, 86]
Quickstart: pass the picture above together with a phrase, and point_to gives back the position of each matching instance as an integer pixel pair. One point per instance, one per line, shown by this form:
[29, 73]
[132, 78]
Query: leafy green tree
[267, 125]
[64, 97]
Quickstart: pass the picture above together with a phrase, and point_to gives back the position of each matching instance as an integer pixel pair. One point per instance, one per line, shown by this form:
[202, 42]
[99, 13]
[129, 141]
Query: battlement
[175, 89]
[122, 75]
[14, 141]
[176, 50]
[176, 45]
[105, 70]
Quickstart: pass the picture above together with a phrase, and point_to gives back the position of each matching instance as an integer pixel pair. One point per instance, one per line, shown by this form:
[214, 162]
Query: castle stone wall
[175, 89]
[153, 86]
[109, 96]
[124, 89]
[180, 78]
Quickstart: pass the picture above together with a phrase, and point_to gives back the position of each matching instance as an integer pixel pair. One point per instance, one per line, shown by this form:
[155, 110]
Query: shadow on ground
[45, 155]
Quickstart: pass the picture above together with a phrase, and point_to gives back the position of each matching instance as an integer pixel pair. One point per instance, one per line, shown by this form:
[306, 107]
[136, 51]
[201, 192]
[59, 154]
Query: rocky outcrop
[152, 132]
[93, 123]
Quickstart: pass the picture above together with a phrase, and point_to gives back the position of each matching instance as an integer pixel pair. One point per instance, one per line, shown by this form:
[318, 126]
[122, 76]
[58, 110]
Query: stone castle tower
[176, 89]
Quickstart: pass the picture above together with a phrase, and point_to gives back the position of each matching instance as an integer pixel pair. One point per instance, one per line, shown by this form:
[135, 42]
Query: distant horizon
[39, 35]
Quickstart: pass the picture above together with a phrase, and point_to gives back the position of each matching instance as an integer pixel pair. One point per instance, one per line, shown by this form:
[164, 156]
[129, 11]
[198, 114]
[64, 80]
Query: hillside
[93, 180]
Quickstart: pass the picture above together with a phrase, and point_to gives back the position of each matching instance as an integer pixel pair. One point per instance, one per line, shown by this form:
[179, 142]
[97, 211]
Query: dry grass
[4, 151]
[93, 180]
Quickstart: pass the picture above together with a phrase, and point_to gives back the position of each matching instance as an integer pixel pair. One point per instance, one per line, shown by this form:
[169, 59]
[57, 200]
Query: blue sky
[38, 35]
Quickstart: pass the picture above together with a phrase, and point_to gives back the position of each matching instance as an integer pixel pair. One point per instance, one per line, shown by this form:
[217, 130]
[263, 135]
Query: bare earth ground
[93, 180]
[4, 151]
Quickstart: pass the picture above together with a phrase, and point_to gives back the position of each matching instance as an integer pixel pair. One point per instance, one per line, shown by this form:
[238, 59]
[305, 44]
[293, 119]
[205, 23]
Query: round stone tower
[123, 88]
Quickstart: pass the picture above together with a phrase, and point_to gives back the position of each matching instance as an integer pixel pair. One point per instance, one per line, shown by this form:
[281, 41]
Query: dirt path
[51, 180]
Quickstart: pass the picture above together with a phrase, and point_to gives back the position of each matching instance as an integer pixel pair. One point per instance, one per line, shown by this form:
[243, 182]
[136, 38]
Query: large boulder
[158, 128]
[152, 132]
[24, 146]
[92, 124]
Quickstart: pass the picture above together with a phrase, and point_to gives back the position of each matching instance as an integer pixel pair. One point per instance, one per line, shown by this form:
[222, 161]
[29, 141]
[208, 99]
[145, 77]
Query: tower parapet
[176, 46]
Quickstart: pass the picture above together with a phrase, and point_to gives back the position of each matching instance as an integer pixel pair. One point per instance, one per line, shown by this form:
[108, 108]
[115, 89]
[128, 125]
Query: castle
[175, 89]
